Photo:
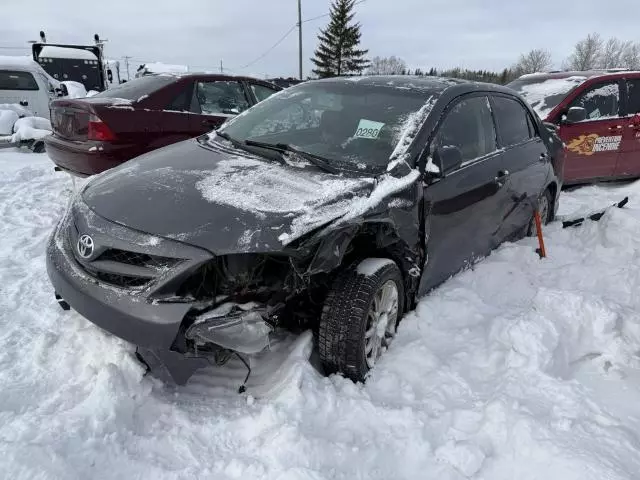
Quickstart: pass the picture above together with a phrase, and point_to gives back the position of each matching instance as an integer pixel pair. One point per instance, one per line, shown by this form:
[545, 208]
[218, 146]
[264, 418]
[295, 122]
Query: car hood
[220, 198]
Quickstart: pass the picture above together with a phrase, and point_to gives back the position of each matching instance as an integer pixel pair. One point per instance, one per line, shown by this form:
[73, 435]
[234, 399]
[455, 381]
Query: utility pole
[221, 68]
[300, 37]
[126, 62]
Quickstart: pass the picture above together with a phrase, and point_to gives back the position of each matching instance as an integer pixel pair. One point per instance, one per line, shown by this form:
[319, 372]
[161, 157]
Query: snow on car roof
[18, 63]
[405, 82]
[49, 51]
[545, 95]
[25, 64]
[158, 67]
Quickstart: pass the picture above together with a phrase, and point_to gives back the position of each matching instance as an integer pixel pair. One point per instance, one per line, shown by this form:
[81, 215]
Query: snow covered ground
[520, 369]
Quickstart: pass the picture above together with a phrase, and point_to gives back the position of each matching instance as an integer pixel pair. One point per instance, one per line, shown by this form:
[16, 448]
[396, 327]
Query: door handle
[543, 156]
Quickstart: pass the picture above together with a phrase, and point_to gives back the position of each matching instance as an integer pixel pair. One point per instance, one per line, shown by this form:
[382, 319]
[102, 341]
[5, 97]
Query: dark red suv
[94, 134]
[598, 118]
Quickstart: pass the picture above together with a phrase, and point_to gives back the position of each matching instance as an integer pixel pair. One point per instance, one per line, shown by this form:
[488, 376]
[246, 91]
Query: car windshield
[349, 125]
[137, 87]
[544, 94]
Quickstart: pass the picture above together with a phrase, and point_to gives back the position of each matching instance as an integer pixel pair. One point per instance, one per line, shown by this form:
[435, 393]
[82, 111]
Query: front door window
[219, 98]
[593, 145]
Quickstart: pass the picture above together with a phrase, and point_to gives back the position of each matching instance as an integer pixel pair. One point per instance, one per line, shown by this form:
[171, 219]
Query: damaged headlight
[240, 328]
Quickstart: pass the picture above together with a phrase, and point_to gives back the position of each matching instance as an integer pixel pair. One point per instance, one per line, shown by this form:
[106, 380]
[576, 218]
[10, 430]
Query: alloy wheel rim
[381, 322]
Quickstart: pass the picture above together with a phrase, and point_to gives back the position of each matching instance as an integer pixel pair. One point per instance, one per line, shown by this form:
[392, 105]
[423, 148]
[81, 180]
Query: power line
[282, 39]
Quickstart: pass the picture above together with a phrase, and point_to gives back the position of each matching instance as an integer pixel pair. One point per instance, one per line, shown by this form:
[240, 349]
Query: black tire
[546, 218]
[346, 316]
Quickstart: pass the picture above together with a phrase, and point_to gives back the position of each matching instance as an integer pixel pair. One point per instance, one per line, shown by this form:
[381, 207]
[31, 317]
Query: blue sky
[487, 34]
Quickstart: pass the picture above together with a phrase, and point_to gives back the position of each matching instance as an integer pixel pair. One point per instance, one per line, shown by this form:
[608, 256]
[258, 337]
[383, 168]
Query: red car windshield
[544, 94]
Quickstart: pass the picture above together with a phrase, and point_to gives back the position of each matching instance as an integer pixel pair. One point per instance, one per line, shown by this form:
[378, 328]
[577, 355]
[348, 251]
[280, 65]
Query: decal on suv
[593, 143]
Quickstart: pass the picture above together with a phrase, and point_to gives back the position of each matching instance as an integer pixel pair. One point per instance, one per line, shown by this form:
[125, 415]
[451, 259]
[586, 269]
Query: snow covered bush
[7, 119]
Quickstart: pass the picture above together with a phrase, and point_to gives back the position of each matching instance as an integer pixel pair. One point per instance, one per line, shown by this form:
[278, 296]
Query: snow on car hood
[221, 199]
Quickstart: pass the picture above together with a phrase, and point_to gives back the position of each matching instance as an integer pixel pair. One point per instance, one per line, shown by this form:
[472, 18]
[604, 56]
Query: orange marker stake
[541, 251]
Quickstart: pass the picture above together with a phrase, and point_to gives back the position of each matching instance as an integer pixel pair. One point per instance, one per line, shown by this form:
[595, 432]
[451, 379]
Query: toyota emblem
[85, 246]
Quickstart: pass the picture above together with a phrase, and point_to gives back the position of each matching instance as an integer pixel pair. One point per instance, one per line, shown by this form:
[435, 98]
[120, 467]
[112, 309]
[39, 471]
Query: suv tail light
[98, 130]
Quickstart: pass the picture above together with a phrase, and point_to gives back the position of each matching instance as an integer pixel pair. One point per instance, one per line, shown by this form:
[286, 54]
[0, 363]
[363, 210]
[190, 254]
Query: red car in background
[597, 114]
[94, 134]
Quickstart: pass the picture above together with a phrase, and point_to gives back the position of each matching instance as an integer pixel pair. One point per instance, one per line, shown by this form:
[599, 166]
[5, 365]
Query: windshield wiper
[317, 160]
[227, 137]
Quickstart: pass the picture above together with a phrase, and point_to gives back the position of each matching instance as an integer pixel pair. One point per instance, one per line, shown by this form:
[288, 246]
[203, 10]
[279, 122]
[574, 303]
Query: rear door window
[601, 101]
[512, 121]
[219, 97]
[179, 103]
[11, 80]
[468, 126]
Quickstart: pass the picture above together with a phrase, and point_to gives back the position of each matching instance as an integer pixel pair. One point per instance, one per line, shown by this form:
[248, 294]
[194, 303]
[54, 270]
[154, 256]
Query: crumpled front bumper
[131, 315]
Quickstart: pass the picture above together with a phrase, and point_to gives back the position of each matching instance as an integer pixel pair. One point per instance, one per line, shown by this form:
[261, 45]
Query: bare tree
[537, 60]
[613, 52]
[587, 53]
[387, 66]
[631, 56]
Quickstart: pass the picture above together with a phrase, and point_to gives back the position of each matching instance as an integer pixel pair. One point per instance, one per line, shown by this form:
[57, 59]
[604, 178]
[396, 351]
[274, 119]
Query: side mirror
[552, 126]
[62, 91]
[576, 115]
[449, 156]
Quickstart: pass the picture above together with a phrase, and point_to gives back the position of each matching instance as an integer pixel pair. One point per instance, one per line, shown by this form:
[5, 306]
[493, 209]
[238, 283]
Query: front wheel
[360, 317]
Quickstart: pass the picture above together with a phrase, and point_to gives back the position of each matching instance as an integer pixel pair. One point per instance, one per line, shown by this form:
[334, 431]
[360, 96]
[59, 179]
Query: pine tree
[338, 52]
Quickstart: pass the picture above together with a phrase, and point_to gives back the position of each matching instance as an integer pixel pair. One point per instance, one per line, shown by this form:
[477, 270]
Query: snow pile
[31, 128]
[8, 118]
[14, 129]
[15, 107]
[521, 369]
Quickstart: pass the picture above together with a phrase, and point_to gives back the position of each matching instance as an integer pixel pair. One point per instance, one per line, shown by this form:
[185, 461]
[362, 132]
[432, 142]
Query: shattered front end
[183, 307]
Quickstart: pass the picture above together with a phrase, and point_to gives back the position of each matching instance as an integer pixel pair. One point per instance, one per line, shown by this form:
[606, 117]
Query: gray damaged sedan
[330, 206]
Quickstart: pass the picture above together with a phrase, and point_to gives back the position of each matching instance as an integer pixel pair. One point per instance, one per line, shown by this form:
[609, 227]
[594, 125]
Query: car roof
[212, 76]
[610, 73]
[419, 83]
[22, 64]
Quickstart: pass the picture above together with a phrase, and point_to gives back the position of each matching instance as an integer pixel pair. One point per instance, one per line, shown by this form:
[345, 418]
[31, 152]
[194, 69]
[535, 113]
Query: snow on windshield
[545, 96]
[408, 131]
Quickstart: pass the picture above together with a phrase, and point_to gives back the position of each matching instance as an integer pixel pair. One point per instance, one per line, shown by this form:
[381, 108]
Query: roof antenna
[43, 38]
